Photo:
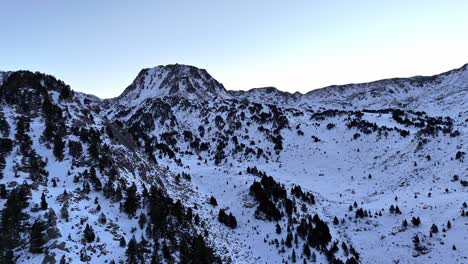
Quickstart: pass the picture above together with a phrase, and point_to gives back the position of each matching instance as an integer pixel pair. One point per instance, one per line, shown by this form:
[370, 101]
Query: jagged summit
[173, 80]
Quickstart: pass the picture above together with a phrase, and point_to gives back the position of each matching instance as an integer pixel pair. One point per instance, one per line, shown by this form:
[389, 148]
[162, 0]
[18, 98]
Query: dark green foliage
[2, 166]
[397, 210]
[3, 191]
[269, 209]
[6, 146]
[278, 229]
[213, 201]
[416, 221]
[122, 242]
[195, 251]
[133, 251]
[264, 193]
[161, 209]
[102, 219]
[44, 204]
[37, 241]
[306, 250]
[330, 125]
[88, 234]
[288, 241]
[4, 126]
[255, 171]
[75, 149]
[228, 220]
[131, 201]
[289, 206]
[97, 185]
[12, 222]
[66, 92]
[361, 213]
[142, 220]
[320, 234]
[59, 145]
[336, 221]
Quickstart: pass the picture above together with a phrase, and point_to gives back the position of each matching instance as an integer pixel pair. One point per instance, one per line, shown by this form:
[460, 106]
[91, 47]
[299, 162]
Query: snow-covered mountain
[178, 169]
[173, 80]
[416, 93]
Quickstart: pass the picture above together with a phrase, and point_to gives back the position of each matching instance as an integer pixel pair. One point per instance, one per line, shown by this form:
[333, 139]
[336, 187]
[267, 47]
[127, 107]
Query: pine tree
[232, 223]
[122, 242]
[131, 202]
[59, 145]
[88, 234]
[37, 237]
[109, 189]
[48, 132]
[213, 201]
[336, 221]
[142, 220]
[306, 250]
[314, 257]
[102, 218]
[293, 256]
[149, 230]
[44, 204]
[405, 223]
[288, 241]
[397, 210]
[416, 221]
[278, 229]
[132, 251]
[64, 212]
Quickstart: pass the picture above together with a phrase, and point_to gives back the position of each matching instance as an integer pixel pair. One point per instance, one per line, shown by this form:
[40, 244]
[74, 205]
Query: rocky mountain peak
[173, 80]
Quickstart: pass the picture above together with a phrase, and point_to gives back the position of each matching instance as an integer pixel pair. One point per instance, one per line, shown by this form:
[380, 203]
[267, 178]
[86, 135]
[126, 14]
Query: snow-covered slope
[417, 93]
[349, 166]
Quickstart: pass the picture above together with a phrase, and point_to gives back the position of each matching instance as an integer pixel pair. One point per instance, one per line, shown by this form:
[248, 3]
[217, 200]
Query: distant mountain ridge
[186, 81]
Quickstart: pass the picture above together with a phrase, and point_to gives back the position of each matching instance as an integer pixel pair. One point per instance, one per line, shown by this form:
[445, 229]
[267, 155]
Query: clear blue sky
[98, 47]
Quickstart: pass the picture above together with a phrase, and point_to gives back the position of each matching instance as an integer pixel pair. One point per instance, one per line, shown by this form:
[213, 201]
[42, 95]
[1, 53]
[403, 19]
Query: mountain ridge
[185, 175]
[186, 73]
